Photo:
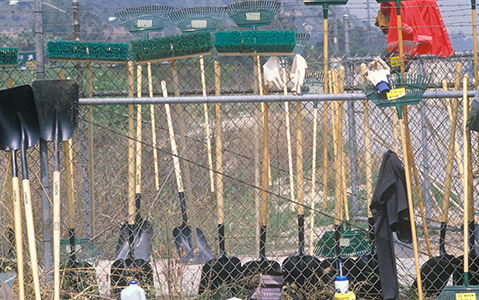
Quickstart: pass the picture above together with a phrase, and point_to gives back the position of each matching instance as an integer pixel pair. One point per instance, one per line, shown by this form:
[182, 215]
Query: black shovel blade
[224, 271]
[473, 118]
[183, 236]
[57, 103]
[141, 241]
[78, 278]
[17, 111]
[435, 273]
[124, 270]
[303, 270]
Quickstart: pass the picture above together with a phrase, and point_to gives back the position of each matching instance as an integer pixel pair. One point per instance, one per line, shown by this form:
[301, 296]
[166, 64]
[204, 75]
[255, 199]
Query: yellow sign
[395, 61]
[396, 93]
[466, 296]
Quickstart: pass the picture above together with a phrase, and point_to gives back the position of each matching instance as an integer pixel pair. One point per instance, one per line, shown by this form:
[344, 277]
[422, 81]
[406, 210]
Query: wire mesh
[346, 170]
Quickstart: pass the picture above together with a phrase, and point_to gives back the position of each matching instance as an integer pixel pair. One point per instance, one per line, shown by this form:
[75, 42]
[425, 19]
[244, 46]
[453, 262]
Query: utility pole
[76, 20]
[335, 32]
[369, 30]
[39, 51]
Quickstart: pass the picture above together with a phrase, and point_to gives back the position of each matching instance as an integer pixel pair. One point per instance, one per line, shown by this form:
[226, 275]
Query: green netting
[94, 51]
[8, 56]
[414, 86]
[255, 41]
[171, 46]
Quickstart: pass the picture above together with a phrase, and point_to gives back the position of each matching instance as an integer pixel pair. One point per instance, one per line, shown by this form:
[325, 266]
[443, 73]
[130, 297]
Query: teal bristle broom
[8, 56]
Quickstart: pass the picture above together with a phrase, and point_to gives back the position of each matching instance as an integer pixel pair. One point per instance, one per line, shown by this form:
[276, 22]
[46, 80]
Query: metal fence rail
[343, 121]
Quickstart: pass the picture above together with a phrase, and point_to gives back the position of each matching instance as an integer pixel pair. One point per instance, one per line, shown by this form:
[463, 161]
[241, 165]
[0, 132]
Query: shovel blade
[183, 236]
[302, 269]
[141, 242]
[222, 271]
[17, 111]
[57, 103]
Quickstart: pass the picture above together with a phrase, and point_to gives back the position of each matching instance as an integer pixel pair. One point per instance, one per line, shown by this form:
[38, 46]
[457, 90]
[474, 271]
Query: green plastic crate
[8, 56]
[351, 243]
[87, 251]
[92, 51]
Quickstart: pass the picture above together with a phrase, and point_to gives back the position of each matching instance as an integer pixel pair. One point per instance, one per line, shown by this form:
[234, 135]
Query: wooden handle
[56, 234]
[153, 128]
[367, 152]
[138, 130]
[131, 146]
[313, 179]
[450, 157]
[207, 125]
[337, 166]
[31, 237]
[68, 163]
[299, 160]
[468, 206]
[340, 79]
[91, 157]
[288, 141]
[174, 151]
[219, 149]
[18, 236]
[411, 208]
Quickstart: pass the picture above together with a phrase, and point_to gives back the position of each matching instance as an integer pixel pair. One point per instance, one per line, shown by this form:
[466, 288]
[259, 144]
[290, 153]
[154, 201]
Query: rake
[144, 18]
[253, 13]
[302, 39]
[200, 18]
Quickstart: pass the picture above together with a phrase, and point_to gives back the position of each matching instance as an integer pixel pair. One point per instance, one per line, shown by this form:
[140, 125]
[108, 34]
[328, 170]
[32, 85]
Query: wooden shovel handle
[56, 234]
[468, 212]
[367, 152]
[131, 146]
[68, 164]
[174, 150]
[219, 148]
[207, 125]
[18, 236]
[153, 127]
[139, 121]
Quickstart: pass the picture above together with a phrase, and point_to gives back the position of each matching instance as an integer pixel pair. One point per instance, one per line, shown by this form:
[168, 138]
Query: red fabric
[421, 22]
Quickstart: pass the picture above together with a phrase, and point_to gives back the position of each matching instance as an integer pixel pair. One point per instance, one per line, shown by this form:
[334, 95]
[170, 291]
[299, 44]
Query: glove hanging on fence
[378, 74]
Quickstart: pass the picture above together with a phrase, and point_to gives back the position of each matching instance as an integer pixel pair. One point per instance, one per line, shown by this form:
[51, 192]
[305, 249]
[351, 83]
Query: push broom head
[8, 56]
[253, 13]
[87, 51]
[200, 18]
[302, 39]
[144, 18]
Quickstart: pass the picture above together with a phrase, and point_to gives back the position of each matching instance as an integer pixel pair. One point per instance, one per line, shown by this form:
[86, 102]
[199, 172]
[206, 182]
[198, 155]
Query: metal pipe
[253, 98]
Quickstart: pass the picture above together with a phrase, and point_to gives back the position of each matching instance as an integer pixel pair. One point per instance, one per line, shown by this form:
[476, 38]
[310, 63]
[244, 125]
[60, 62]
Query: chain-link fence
[321, 157]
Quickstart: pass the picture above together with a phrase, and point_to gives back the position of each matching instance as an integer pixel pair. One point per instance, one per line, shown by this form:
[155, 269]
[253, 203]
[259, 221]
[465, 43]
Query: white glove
[378, 71]
[272, 73]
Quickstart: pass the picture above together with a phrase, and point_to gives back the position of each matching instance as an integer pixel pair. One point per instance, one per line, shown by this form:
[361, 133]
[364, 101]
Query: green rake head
[392, 55]
[253, 13]
[200, 18]
[144, 18]
[8, 56]
[90, 51]
[459, 292]
[302, 39]
[406, 89]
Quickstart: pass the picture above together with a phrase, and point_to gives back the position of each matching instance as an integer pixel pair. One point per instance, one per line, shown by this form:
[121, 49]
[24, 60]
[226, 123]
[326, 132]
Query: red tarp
[421, 22]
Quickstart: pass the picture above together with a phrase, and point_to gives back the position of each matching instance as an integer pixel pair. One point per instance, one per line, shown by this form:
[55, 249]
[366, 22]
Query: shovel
[223, 270]
[78, 276]
[133, 248]
[301, 269]
[183, 233]
[19, 130]
[57, 106]
[435, 272]
[263, 266]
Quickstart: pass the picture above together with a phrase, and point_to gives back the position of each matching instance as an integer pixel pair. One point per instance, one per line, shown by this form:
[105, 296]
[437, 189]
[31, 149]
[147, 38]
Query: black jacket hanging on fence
[389, 207]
